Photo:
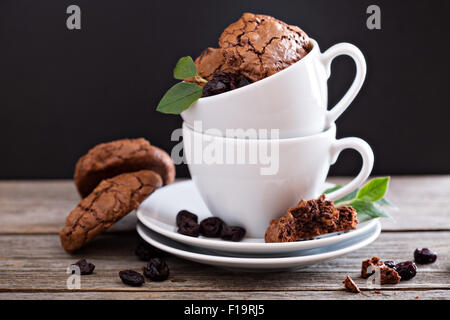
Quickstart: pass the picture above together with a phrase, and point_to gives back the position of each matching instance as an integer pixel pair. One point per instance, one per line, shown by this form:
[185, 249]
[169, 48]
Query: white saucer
[159, 212]
[293, 261]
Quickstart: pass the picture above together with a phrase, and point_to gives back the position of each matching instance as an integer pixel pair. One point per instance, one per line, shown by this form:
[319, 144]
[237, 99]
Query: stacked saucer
[157, 226]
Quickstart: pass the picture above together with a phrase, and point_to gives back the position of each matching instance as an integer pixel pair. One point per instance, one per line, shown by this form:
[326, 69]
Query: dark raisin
[85, 267]
[407, 270]
[131, 278]
[156, 270]
[242, 82]
[186, 215]
[232, 233]
[424, 256]
[211, 227]
[389, 263]
[189, 228]
[145, 252]
[212, 88]
[225, 78]
[222, 82]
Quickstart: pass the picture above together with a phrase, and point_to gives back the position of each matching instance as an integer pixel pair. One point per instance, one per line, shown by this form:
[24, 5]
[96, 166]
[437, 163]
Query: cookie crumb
[387, 274]
[374, 261]
[350, 285]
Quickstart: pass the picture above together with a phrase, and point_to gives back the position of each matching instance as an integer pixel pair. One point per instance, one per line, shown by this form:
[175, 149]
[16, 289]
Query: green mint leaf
[348, 197]
[368, 210]
[185, 68]
[179, 98]
[386, 203]
[354, 194]
[330, 190]
[374, 190]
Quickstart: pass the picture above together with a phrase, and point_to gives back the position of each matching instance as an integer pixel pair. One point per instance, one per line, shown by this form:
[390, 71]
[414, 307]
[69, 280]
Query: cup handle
[357, 56]
[367, 164]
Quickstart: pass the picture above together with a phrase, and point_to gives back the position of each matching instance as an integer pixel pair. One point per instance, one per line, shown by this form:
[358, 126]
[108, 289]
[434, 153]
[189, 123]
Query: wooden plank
[38, 263]
[232, 295]
[42, 206]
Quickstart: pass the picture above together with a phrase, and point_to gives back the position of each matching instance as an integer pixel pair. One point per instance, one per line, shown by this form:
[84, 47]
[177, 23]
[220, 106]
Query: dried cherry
[407, 269]
[232, 233]
[223, 82]
[389, 263]
[85, 267]
[131, 278]
[186, 215]
[424, 256]
[145, 251]
[156, 270]
[189, 228]
[211, 227]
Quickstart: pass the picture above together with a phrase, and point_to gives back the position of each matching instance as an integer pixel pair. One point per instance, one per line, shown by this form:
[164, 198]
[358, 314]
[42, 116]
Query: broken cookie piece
[350, 285]
[111, 200]
[372, 262]
[388, 275]
[311, 218]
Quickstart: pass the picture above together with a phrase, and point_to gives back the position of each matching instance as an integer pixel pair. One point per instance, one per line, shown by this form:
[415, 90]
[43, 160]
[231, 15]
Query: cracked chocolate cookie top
[311, 218]
[256, 46]
[109, 159]
[111, 200]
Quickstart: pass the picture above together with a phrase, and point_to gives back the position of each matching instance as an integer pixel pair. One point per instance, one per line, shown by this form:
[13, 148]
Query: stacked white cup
[255, 151]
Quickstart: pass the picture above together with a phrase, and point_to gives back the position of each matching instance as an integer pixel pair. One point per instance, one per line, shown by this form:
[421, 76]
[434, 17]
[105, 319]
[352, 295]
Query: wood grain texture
[33, 264]
[38, 263]
[257, 295]
[42, 206]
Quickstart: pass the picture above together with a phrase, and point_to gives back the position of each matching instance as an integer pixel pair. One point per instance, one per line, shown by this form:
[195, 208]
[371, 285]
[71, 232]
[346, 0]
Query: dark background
[61, 91]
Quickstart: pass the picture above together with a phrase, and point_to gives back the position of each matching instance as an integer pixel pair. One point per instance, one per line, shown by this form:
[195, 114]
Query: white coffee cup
[294, 100]
[252, 194]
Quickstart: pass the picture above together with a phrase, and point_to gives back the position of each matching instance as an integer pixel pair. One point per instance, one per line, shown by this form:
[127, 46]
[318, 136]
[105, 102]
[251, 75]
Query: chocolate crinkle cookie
[110, 159]
[255, 46]
[111, 200]
[311, 218]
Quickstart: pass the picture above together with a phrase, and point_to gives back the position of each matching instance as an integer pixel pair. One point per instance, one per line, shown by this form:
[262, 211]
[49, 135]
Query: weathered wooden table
[33, 264]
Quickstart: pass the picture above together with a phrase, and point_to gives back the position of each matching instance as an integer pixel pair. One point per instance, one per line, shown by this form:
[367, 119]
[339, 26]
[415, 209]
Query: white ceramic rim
[306, 58]
[258, 262]
[327, 131]
[256, 247]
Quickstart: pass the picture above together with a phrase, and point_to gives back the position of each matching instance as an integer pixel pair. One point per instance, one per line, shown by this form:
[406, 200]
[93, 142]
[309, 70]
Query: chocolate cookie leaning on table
[111, 200]
[110, 159]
